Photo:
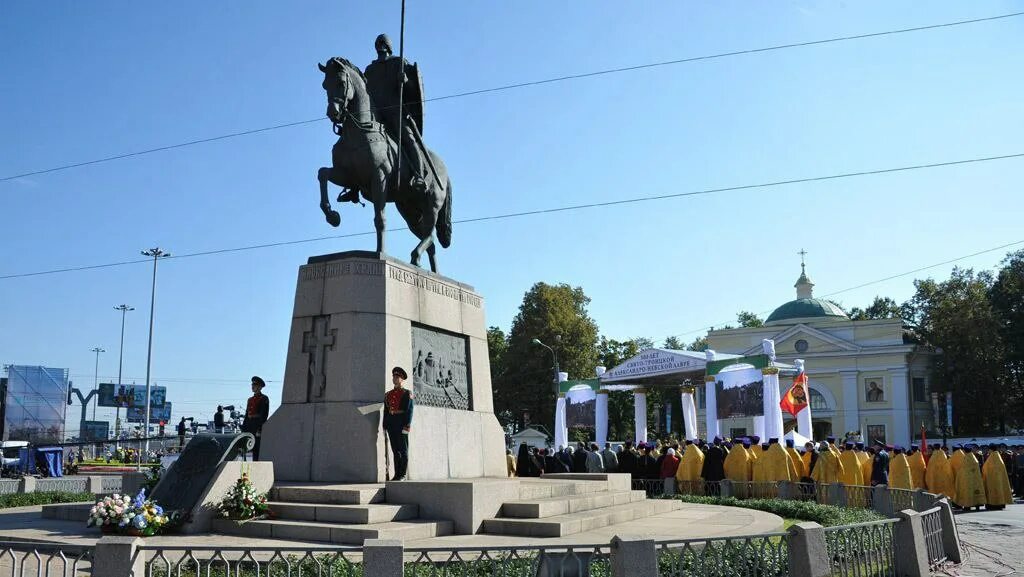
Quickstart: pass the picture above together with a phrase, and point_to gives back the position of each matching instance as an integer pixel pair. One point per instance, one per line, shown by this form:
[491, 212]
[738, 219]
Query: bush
[825, 515]
[42, 498]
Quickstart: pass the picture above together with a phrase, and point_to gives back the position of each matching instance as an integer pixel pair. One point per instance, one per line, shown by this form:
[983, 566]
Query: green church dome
[805, 308]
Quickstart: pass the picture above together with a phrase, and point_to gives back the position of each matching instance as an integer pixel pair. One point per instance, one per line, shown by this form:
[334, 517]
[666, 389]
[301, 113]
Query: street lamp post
[96, 380]
[157, 254]
[120, 365]
[554, 356]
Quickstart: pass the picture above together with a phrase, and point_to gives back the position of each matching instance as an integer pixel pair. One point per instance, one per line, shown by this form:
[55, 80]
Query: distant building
[865, 376]
[35, 404]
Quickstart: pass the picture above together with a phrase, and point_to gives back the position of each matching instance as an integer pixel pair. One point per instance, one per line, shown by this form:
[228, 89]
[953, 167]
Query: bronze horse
[364, 159]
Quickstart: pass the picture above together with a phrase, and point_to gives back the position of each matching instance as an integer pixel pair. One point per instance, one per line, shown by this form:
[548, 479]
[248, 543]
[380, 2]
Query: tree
[1007, 297]
[957, 317]
[674, 343]
[497, 346]
[747, 319]
[557, 316]
[880, 308]
[699, 344]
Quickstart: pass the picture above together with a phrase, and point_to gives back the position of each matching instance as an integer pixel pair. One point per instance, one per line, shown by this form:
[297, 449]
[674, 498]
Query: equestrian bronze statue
[372, 133]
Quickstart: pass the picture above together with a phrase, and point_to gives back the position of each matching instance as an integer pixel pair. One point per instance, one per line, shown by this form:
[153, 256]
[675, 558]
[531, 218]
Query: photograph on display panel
[739, 393]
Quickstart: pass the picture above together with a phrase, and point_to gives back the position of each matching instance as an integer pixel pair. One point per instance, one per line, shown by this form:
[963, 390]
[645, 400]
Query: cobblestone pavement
[993, 543]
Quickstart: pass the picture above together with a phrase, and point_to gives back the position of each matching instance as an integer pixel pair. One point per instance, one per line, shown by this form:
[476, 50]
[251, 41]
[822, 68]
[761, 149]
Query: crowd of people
[970, 475]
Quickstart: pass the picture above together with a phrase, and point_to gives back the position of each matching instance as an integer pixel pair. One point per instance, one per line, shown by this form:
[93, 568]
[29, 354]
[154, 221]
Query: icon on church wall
[873, 391]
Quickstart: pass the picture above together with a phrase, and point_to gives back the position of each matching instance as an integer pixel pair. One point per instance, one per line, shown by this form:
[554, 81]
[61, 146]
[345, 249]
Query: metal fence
[20, 559]
[864, 549]
[245, 561]
[931, 520]
[754, 556]
[555, 561]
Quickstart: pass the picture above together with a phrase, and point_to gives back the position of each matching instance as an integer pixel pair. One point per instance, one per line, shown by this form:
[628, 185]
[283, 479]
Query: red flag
[795, 399]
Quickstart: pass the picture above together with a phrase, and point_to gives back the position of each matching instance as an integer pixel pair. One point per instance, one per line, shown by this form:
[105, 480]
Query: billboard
[739, 393]
[156, 414]
[111, 395]
[95, 430]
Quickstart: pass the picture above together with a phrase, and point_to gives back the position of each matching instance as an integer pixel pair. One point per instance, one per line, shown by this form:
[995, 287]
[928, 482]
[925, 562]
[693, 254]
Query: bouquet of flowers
[242, 502]
[122, 514]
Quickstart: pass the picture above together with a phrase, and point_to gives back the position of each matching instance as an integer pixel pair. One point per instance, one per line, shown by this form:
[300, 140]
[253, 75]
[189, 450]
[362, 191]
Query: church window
[800, 346]
[818, 402]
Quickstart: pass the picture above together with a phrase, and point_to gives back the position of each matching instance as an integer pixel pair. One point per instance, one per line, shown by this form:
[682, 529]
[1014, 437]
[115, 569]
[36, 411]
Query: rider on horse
[385, 77]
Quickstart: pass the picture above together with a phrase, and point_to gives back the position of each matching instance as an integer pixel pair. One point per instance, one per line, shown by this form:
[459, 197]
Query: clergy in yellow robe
[798, 462]
[778, 464]
[899, 471]
[758, 472]
[956, 461]
[853, 474]
[970, 487]
[753, 452]
[997, 482]
[808, 457]
[827, 469]
[939, 475]
[865, 463]
[917, 469]
[691, 463]
[737, 466]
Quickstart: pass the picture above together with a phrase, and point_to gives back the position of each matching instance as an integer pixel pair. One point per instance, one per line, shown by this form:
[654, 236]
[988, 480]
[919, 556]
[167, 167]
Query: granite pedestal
[355, 317]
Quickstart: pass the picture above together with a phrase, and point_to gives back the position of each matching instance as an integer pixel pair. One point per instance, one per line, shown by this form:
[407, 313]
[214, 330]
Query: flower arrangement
[122, 514]
[243, 502]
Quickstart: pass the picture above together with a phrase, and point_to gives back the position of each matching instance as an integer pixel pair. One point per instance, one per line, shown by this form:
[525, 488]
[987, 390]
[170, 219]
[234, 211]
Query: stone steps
[350, 534]
[552, 506]
[353, 514]
[571, 523]
[529, 489]
[328, 494]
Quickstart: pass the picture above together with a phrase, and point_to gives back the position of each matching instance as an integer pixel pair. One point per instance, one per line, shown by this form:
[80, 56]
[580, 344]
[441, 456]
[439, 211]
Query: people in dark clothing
[257, 411]
[713, 470]
[579, 459]
[565, 458]
[552, 464]
[647, 465]
[526, 463]
[627, 460]
[181, 433]
[611, 460]
[880, 466]
[218, 420]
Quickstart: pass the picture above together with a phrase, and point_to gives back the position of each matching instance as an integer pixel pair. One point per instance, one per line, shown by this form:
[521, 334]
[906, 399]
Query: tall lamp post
[95, 380]
[120, 365]
[554, 356]
[157, 254]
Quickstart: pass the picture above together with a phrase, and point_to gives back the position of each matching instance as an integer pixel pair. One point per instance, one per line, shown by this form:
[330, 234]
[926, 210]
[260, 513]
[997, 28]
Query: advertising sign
[156, 414]
[95, 430]
[111, 395]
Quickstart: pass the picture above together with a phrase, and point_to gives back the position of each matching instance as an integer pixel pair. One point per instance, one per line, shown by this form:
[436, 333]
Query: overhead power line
[877, 281]
[517, 85]
[549, 211]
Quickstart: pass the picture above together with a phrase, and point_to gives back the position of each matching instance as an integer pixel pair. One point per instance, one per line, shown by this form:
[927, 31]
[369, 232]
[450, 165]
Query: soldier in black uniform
[398, 407]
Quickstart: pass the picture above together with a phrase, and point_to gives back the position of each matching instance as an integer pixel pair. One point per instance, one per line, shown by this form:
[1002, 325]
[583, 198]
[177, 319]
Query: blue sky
[88, 80]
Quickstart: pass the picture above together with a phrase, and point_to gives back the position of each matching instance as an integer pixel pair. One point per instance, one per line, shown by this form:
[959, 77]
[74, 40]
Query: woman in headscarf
[526, 463]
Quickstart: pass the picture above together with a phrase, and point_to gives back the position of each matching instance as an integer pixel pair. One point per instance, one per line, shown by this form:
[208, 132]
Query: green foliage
[825, 515]
[1007, 297]
[42, 498]
[958, 317]
[747, 319]
[611, 353]
[699, 344]
[880, 308]
[557, 316]
[674, 343]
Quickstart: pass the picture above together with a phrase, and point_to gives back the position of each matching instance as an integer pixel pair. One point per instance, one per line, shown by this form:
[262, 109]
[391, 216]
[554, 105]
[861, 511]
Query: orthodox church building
[865, 376]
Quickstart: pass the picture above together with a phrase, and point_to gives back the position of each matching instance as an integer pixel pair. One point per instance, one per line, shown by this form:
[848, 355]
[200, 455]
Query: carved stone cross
[316, 343]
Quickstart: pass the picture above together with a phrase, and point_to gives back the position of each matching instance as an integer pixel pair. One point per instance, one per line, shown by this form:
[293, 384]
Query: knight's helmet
[383, 42]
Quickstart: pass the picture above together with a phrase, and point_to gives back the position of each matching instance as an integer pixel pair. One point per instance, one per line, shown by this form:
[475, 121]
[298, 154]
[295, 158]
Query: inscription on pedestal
[440, 373]
[316, 343]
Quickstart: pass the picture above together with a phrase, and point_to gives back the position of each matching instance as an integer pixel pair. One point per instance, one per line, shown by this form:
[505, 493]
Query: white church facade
[865, 376]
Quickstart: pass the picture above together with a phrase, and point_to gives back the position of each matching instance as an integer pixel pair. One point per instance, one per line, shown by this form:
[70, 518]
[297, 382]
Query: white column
[803, 418]
[899, 392]
[601, 412]
[640, 414]
[689, 413]
[711, 407]
[759, 428]
[601, 418]
[772, 400]
[851, 403]
[561, 430]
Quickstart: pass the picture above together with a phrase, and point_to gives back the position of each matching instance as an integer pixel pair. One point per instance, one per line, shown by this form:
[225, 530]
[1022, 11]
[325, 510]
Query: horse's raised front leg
[324, 176]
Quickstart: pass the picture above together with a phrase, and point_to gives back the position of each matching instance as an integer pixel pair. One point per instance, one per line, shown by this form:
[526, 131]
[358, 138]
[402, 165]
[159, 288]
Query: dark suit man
[398, 407]
[257, 411]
